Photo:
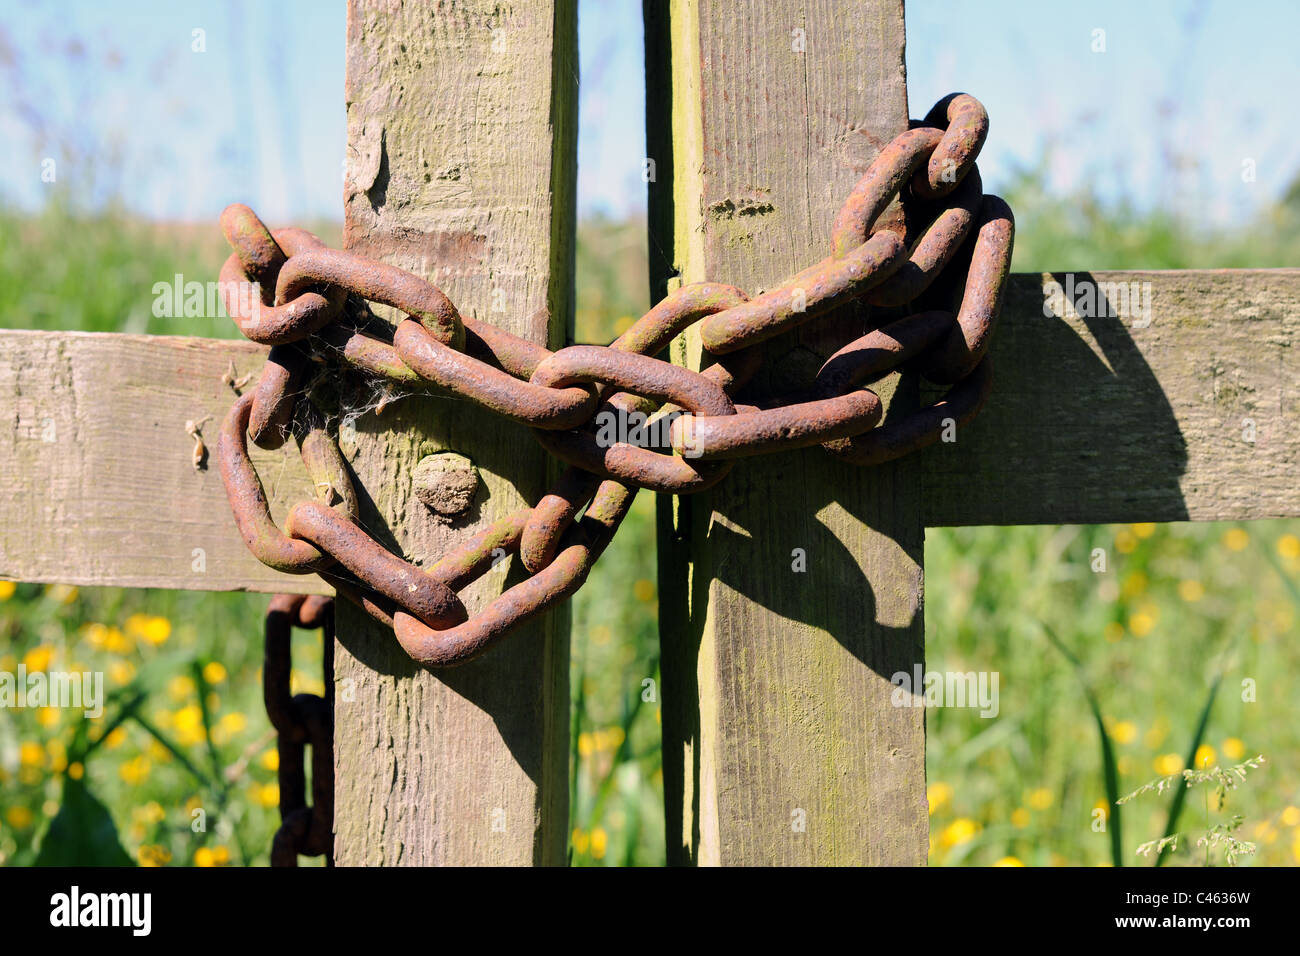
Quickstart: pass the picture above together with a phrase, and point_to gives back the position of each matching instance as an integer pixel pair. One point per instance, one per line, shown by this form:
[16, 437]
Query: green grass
[1177, 606]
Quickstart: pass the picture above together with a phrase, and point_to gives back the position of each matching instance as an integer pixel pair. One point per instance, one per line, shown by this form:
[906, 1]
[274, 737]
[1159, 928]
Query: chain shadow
[497, 683]
[1052, 386]
[747, 530]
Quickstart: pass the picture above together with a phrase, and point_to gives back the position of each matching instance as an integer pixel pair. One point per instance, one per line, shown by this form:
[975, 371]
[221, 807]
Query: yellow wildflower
[7, 589]
[233, 723]
[958, 832]
[107, 638]
[1141, 624]
[1291, 816]
[117, 643]
[135, 771]
[154, 856]
[20, 818]
[1233, 748]
[1020, 817]
[1288, 546]
[58, 755]
[1124, 732]
[31, 754]
[214, 672]
[580, 841]
[147, 627]
[1135, 583]
[1008, 861]
[38, 658]
[938, 794]
[188, 723]
[1040, 799]
[1235, 539]
[211, 856]
[300, 683]
[158, 753]
[63, 593]
[1168, 764]
[180, 687]
[1191, 590]
[121, 672]
[1204, 757]
[599, 842]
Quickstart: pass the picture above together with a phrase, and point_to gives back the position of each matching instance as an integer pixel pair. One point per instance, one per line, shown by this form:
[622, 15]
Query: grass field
[1177, 609]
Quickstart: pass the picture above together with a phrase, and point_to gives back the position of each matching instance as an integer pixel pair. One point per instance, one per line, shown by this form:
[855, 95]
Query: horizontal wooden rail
[97, 469]
[1147, 414]
[1183, 405]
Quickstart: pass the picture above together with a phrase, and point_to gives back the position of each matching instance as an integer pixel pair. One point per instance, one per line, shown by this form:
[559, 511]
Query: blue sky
[1182, 96]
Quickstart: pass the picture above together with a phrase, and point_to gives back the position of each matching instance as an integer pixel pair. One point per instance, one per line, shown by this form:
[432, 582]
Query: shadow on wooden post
[792, 592]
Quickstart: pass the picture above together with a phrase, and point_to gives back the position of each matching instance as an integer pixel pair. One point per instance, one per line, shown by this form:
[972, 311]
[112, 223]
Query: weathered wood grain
[1172, 396]
[461, 162]
[780, 742]
[100, 485]
[1091, 420]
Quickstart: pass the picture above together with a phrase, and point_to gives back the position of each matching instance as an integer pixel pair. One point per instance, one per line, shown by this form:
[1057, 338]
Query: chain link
[301, 721]
[946, 258]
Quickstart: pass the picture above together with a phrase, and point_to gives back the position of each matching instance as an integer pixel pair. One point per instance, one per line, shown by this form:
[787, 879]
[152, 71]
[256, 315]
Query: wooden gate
[776, 685]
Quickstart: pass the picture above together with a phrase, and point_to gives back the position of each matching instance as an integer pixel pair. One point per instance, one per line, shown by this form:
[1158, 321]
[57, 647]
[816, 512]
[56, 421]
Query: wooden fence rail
[100, 488]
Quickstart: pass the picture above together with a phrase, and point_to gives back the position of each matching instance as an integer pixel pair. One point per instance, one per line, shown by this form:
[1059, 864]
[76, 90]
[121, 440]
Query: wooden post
[461, 160]
[792, 592]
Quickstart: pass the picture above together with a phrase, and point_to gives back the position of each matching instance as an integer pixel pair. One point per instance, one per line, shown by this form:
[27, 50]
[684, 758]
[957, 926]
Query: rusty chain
[946, 260]
[301, 720]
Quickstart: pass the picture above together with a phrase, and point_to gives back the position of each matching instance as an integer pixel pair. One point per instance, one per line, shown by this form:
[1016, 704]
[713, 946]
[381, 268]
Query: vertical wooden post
[781, 745]
[461, 161]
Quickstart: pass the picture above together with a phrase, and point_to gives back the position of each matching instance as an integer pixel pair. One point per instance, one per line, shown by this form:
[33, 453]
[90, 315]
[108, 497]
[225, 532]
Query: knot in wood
[445, 483]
